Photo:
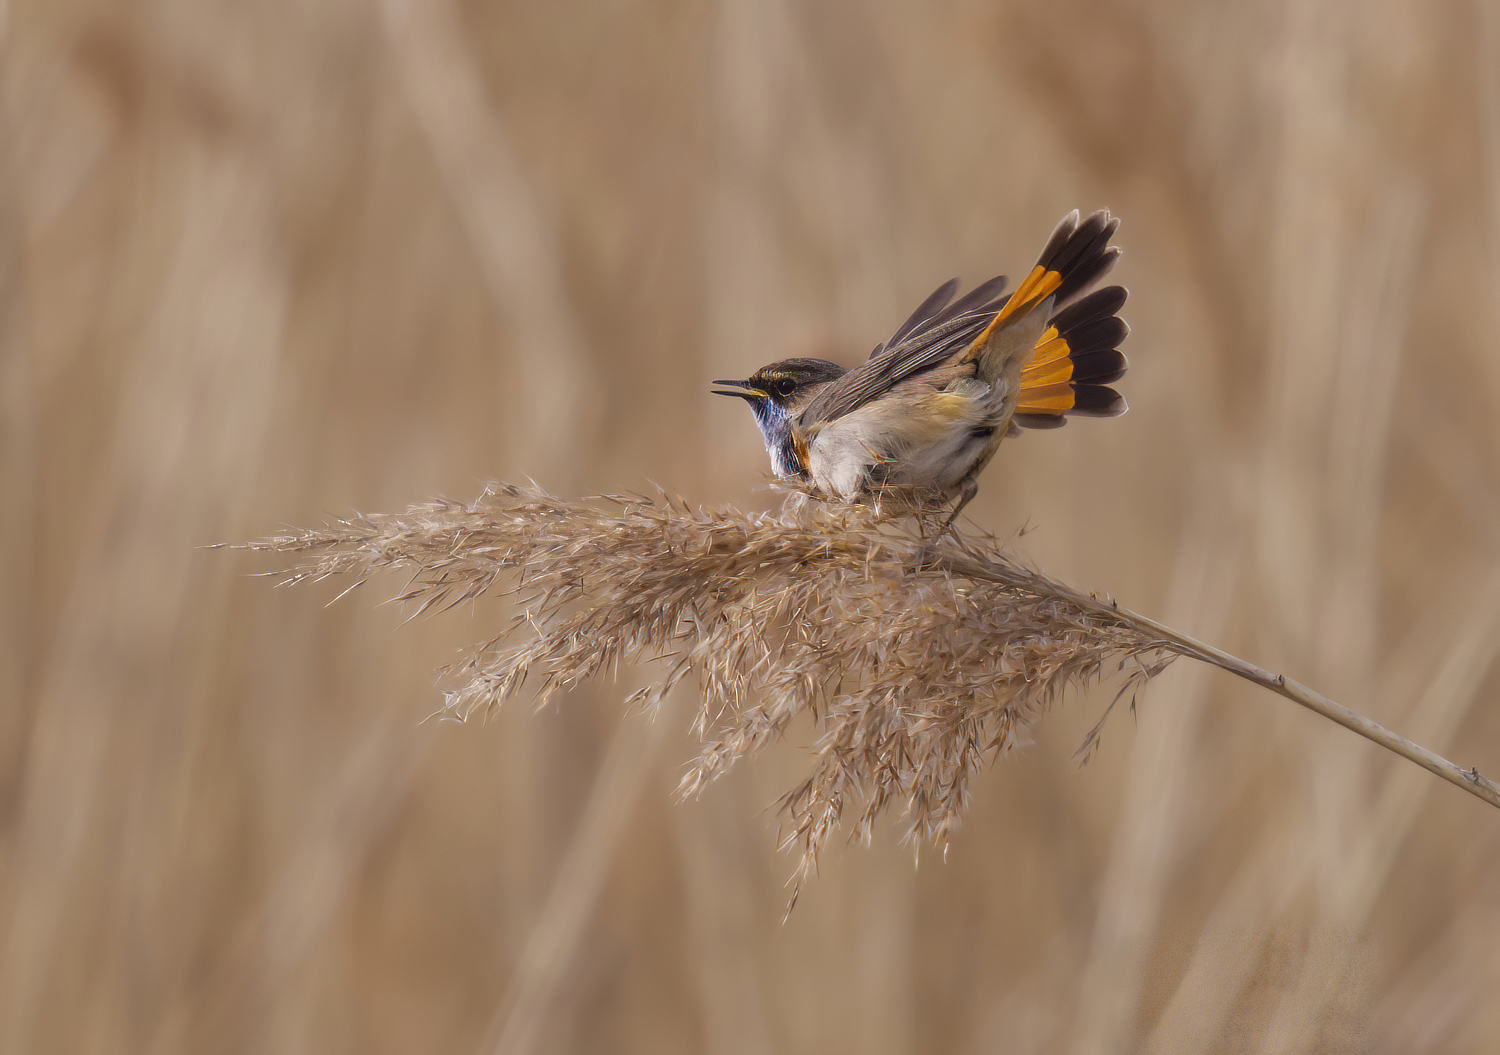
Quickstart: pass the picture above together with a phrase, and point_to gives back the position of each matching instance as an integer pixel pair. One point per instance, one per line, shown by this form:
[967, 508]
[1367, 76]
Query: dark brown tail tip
[1097, 401]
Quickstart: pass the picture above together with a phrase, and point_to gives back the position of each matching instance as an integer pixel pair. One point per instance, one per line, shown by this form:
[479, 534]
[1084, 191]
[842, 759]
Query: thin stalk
[1175, 641]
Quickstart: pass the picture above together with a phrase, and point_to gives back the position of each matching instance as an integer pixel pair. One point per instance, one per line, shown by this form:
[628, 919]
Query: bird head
[776, 394]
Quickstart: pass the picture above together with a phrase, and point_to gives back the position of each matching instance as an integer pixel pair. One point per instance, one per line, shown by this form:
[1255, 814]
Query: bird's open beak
[747, 390]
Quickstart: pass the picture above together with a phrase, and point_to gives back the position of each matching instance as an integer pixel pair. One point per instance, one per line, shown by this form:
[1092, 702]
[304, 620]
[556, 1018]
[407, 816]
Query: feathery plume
[917, 656]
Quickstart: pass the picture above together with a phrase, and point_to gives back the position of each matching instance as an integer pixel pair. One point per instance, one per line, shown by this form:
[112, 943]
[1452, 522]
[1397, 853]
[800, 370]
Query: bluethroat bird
[921, 418]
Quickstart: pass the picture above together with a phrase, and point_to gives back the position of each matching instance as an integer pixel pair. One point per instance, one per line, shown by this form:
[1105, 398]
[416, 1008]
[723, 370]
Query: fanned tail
[1076, 256]
[1075, 360]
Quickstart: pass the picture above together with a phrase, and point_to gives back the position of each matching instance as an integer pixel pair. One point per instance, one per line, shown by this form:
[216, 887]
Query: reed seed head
[917, 657]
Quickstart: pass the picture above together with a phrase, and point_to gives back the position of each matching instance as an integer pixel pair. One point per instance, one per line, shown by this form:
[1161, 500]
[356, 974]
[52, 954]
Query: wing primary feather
[866, 381]
[926, 312]
[983, 297]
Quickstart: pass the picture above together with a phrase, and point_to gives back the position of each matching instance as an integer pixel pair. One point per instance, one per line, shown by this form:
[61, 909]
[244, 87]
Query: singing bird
[921, 418]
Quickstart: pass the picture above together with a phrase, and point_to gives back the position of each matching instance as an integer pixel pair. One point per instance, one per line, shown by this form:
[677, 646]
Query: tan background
[269, 262]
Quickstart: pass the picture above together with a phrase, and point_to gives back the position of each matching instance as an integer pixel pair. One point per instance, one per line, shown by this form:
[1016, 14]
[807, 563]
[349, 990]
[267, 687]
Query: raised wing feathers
[935, 331]
[926, 311]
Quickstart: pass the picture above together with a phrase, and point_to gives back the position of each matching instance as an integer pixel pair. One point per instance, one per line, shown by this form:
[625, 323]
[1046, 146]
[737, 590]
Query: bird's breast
[914, 438]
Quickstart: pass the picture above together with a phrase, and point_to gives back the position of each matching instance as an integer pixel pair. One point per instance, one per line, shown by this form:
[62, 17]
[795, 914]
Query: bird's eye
[786, 386]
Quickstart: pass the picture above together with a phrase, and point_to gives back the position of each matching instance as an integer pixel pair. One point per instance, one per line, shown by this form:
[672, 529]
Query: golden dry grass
[919, 658]
[267, 263]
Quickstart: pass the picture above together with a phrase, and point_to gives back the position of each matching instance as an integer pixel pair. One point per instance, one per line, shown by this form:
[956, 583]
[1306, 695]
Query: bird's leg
[967, 490]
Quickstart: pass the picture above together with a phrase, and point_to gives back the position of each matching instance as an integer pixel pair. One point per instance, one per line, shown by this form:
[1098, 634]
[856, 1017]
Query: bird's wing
[926, 311]
[935, 331]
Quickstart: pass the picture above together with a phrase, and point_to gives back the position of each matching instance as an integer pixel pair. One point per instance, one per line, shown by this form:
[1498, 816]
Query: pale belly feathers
[914, 438]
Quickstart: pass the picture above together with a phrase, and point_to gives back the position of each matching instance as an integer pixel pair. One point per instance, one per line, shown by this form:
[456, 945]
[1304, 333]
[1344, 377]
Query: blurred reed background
[264, 263]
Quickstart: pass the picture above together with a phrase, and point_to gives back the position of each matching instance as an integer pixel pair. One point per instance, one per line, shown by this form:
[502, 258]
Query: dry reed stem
[531, 997]
[919, 657]
[1150, 828]
[512, 237]
[1268, 880]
